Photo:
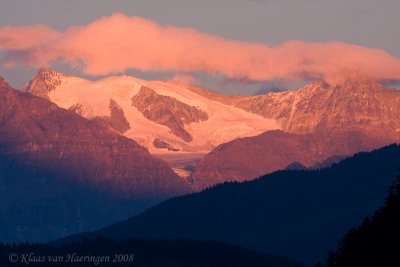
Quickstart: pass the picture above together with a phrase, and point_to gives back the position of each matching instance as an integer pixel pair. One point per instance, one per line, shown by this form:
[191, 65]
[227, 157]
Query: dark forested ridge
[141, 253]
[376, 242]
[298, 214]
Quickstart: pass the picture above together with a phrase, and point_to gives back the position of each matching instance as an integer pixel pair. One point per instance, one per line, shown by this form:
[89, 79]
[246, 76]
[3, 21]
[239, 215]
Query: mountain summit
[44, 82]
[351, 101]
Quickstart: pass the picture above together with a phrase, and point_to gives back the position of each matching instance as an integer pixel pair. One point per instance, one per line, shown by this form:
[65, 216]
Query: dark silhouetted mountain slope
[298, 214]
[375, 242]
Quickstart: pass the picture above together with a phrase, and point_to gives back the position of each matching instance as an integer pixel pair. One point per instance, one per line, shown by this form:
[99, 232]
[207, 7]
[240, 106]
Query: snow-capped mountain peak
[151, 112]
[44, 82]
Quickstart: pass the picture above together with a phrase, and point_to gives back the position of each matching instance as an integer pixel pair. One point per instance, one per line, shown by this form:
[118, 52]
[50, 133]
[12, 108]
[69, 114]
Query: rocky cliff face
[168, 111]
[44, 82]
[116, 120]
[57, 167]
[352, 101]
[248, 158]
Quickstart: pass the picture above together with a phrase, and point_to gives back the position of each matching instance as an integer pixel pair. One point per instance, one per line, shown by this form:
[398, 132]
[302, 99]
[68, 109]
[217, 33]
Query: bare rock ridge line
[77, 108]
[168, 111]
[352, 101]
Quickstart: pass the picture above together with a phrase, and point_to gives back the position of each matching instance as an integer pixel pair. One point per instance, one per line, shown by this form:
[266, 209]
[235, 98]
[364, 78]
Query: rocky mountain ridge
[351, 101]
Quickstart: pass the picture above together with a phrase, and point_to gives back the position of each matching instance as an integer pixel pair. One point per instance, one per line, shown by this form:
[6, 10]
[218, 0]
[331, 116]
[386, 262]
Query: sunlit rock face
[168, 111]
[45, 81]
[116, 120]
[351, 101]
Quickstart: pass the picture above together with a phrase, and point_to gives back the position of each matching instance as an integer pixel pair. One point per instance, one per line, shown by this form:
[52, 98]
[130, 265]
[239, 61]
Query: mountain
[247, 158]
[62, 174]
[163, 116]
[145, 253]
[375, 241]
[172, 119]
[320, 121]
[350, 101]
[297, 214]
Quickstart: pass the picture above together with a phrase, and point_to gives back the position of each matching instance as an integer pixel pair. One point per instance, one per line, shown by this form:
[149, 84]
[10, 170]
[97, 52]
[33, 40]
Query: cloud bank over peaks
[118, 43]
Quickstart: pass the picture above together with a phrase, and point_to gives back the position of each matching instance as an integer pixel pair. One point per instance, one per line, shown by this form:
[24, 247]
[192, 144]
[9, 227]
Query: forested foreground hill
[376, 242]
[140, 253]
[298, 214]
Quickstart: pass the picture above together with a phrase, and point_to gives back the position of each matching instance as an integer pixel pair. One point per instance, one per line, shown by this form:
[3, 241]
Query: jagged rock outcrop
[168, 111]
[116, 120]
[44, 82]
[158, 143]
